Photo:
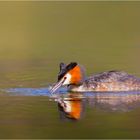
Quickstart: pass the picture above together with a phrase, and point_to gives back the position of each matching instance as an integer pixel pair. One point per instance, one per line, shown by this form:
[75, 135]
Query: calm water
[36, 37]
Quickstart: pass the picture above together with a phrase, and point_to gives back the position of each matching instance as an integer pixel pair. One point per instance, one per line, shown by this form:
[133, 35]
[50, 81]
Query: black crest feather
[65, 68]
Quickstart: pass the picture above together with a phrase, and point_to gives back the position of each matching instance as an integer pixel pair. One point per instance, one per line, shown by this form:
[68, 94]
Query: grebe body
[108, 81]
[73, 76]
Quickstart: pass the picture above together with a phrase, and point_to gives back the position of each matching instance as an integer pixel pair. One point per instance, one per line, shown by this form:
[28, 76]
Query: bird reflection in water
[116, 102]
[72, 106]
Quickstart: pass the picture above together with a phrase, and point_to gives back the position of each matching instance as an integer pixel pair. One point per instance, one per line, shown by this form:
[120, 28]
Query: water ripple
[31, 91]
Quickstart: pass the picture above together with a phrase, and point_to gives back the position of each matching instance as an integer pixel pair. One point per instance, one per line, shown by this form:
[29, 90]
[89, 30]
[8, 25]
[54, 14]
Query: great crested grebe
[72, 75]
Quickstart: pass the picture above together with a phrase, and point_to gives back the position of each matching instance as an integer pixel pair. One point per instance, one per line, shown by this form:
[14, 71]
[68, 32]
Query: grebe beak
[58, 85]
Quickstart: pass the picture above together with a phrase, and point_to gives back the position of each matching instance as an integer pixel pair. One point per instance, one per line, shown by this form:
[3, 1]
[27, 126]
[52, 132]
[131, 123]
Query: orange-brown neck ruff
[76, 75]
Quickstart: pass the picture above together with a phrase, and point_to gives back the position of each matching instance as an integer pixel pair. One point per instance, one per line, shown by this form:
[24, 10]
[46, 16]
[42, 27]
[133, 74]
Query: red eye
[64, 79]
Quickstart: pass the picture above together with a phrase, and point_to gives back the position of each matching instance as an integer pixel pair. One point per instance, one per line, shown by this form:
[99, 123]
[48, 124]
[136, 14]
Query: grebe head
[68, 75]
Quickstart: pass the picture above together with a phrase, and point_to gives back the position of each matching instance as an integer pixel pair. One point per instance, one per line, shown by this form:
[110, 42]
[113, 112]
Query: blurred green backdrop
[36, 36]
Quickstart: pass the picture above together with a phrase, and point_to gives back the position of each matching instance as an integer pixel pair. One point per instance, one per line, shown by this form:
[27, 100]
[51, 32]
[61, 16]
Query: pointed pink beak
[57, 85]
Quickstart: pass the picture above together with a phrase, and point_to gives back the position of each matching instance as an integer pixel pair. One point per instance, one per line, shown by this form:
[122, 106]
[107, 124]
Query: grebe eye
[64, 79]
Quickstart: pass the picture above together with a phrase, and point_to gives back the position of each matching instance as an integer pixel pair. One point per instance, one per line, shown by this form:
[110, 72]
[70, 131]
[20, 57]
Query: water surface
[35, 113]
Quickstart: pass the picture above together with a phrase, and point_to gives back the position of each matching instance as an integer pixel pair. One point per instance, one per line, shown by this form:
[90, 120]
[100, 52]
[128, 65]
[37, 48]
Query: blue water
[62, 91]
[32, 91]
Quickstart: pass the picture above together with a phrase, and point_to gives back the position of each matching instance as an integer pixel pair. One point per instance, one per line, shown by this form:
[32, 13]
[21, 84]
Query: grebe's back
[112, 81]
